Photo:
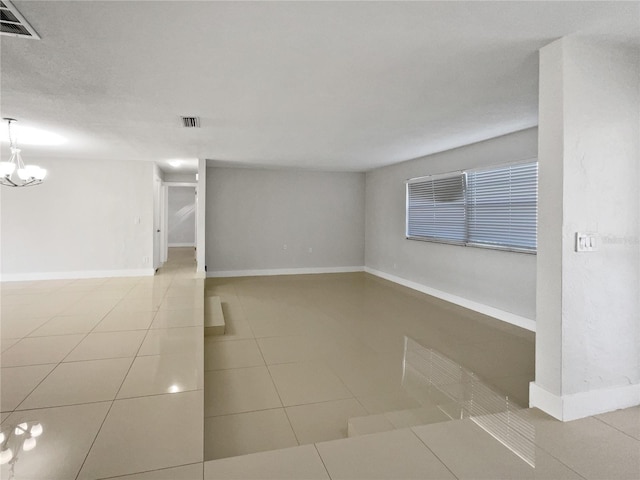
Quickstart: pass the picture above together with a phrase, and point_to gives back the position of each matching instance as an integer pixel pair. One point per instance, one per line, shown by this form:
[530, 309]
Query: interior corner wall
[588, 344]
[270, 221]
[88, 218]
[181, 225]
[498, 279]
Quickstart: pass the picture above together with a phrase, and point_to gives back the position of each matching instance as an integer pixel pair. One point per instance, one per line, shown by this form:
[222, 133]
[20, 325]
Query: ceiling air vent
[14, 24]
[190, 122]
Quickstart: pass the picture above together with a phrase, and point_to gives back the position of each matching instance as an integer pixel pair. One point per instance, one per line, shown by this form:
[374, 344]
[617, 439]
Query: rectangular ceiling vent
[14, 24]
[190, 122]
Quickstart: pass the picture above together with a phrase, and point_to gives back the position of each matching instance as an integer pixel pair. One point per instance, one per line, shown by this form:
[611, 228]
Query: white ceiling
[321, 85]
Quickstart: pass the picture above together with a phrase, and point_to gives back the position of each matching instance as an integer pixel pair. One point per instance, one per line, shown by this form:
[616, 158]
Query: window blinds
[492, 207]
[502, 206]
[436, 208]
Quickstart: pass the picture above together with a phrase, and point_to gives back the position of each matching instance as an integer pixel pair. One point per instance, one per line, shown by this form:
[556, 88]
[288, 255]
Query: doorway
[179, 219]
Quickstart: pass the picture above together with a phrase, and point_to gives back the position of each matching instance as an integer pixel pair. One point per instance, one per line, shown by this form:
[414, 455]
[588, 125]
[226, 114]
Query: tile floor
[118, 375]
[111, 369]
[304, 354]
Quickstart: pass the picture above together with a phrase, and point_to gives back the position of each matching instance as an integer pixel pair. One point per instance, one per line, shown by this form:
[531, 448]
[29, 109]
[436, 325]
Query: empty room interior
[319, 240]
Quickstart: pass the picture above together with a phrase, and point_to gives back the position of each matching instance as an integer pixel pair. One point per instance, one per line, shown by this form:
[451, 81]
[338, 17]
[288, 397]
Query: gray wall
[504, 280]
[181, 216]
[252, 214]
[88, 218]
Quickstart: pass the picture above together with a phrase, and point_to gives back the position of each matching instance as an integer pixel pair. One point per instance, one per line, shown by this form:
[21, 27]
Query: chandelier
[15, 173]
[14, 440]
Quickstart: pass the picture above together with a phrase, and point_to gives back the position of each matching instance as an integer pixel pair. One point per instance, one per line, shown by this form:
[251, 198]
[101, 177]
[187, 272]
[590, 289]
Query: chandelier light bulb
[29, 444]
[23, 174]
[26, 175]
[40, 173]
[5, 456]
[2, 437]
[21, 429]
[7, 168]
[36, 430]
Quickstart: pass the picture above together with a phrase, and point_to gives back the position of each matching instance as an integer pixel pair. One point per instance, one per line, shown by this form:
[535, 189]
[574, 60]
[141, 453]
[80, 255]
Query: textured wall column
[588, 315]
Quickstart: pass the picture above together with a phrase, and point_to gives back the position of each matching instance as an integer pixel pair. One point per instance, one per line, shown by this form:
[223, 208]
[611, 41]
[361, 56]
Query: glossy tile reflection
[334, 347]
[123, 384]
[85, 380]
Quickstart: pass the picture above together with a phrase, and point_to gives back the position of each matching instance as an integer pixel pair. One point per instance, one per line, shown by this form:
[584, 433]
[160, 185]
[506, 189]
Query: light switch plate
[586, 242]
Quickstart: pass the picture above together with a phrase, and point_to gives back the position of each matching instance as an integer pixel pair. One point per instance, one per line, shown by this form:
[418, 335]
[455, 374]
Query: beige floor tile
[125, 320]
[19, 382]
[369, 424]
[239, 390]
[157, 374]
[604, 452]
[7, 342]
[91, 307]
[67, 433]
[185, 472]
[161, 431]
[102, 345]
[387, 402]
[289, 349]
[184, 292]
[235, 329]
[295, 463]
[485, 457]
[516, 388]
[20, 327]
[392, 455]
[79, 382]
[627, 420]
[302, 383]
[370, 375]
[186, 317]
[417, 416]
[275, 325]
[320, 422]
[192, 301]
[39, 350]
[139, 304]
[231, 435]
[67, 325]
[232, 354]
[165, 341]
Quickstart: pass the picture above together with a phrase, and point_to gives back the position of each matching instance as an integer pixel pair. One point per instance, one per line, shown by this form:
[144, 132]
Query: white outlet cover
[586, 242]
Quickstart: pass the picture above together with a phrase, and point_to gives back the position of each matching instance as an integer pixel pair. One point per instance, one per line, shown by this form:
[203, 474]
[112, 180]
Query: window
[492, 207]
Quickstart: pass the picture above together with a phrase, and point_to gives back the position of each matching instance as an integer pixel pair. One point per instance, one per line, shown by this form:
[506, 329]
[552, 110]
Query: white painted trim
[22, 277]
[282, 271]
[545, 401]
[503, 315]
[584, 404]
[188, 244]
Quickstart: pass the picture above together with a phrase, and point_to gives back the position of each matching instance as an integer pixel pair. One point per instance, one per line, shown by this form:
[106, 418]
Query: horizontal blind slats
[502, 206]
[495, 206]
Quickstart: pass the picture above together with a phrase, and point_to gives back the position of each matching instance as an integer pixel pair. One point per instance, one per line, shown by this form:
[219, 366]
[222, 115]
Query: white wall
[182, 216]
[82, 221]
[498, 279]
[201, 216]
[252, 214]
[179, 177]
[588, 344]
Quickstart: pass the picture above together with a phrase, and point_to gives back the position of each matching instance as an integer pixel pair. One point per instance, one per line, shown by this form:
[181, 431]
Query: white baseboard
[281, 271]
[503, 315]
[188, 244]
[585, 404]
[26, 277]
